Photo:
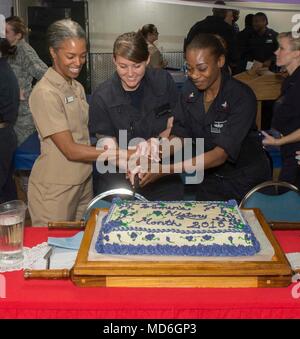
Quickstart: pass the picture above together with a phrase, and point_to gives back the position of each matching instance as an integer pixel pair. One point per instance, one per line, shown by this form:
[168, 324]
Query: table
[61, 299]
[265, 87]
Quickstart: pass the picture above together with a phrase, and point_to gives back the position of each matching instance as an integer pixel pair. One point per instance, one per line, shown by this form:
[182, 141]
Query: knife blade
[47, 257]
[136, 185]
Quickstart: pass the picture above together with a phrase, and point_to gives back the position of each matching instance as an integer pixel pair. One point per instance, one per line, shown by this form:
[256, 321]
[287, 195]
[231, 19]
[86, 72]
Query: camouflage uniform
[27, 66]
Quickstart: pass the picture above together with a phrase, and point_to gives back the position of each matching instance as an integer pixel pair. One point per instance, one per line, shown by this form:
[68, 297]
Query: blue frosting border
[199, 250]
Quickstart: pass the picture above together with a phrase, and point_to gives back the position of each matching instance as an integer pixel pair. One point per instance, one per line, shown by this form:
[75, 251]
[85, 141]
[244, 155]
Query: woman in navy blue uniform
[221, 110]
[140, 101]
[286, 116]
[9, 104]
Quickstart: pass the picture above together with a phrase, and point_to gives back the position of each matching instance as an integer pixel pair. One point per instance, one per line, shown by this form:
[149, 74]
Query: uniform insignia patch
[224, 105]
[217, 126]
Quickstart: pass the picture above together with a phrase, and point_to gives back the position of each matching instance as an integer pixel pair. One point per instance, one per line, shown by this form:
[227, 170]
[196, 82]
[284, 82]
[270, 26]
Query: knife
[47, 257]
[136, 185]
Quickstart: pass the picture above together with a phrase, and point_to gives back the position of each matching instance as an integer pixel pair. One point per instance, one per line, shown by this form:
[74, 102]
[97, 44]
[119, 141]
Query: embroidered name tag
[69, 99]
[216, 126]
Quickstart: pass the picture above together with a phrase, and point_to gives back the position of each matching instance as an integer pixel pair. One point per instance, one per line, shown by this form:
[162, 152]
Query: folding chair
[281, 210]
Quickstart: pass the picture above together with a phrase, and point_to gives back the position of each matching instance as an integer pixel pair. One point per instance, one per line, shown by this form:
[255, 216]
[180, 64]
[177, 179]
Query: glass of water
[12, 217]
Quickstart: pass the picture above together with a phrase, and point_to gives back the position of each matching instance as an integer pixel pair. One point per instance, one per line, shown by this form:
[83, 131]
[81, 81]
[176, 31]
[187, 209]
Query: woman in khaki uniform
[60, 184]
[150, 33]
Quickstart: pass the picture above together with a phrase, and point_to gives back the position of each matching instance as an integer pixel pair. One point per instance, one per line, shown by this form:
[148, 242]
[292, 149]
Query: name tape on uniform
[69, 99]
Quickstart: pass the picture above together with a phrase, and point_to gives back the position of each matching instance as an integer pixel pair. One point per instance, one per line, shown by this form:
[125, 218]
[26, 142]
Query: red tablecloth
[61, 299]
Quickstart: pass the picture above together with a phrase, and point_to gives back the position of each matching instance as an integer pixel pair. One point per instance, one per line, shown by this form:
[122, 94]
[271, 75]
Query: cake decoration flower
[149, 236]
[133, 235]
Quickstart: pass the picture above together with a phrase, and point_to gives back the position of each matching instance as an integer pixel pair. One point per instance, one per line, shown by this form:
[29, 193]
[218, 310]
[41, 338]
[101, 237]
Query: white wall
[109, 18]
[5, 6]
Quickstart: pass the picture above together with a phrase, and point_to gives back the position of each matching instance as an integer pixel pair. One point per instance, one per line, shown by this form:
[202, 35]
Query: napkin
[63, 258]
[294, 260]
[72, 243]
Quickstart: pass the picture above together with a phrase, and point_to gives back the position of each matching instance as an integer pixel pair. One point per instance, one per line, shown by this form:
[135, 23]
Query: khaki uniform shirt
[56, 106]
[156, 58]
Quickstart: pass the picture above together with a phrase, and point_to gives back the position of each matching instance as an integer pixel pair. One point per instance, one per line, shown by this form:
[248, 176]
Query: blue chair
[282, 210]
[100, 202]
[26, 154]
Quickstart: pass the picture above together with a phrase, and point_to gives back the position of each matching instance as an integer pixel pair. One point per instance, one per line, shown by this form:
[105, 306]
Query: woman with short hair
[150, 33]
[138, 101]
[27, 66]
[286, 115]
[60, 183]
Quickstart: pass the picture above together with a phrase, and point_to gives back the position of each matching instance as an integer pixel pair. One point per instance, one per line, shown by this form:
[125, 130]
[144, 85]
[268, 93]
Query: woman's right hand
[269, 139]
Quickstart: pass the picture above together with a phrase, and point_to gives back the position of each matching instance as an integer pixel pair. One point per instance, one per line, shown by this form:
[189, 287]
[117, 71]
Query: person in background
[236, 16]
[60, 183]
[262, 42]
[221, 110]
[229, 17]
[261, 45]
[27, 66]
[138, 100]
[248, 25]
[216, 24]
[242, 41]
[9, 103]
[150, 33]
[286, 116]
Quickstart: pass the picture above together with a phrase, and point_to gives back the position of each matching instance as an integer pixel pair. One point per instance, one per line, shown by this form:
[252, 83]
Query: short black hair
[262, 15]
[210, 41]
[249, 20]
